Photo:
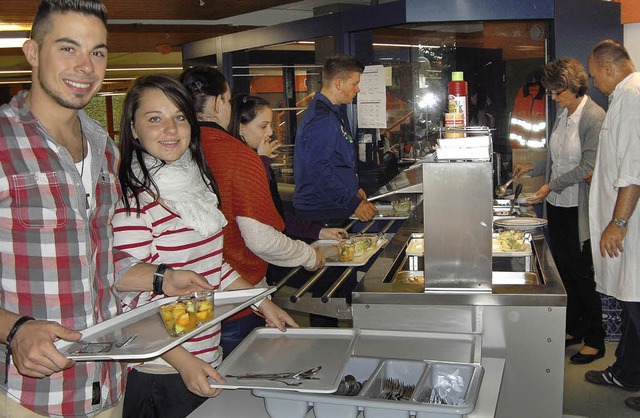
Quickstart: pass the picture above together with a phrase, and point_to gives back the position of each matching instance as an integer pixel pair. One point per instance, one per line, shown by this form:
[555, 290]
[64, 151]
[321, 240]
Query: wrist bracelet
[12, 333]
[256, 305]
[158, 279]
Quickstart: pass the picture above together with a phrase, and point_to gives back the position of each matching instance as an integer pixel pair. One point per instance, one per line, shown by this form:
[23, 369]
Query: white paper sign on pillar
[372, 99]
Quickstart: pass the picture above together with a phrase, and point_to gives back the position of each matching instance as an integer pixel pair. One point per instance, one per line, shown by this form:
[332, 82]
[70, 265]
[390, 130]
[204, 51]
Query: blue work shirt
[325, 164]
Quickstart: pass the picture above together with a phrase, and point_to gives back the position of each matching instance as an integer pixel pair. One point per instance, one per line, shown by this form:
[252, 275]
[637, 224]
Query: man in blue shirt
[325, 161]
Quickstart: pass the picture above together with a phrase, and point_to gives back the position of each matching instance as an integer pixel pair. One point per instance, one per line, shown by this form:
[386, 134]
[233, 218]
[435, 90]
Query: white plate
[520, 223]
[267, 350]
[145, 321]
[329, 249]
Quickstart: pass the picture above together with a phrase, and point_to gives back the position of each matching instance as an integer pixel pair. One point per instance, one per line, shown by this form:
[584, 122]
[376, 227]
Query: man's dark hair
[42, 19]
[340, 66]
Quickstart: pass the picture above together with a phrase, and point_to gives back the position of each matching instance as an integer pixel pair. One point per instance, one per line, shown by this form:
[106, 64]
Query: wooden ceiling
[158, 37]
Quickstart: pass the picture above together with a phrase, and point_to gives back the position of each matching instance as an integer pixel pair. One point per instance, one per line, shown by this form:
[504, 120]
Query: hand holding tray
[105, 341]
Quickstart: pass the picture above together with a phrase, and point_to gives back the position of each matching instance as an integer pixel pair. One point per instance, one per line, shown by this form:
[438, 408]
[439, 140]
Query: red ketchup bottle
[459, 95]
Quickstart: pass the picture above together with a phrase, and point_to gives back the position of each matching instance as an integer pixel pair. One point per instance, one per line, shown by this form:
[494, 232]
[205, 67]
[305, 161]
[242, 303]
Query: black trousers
[575, 265]
[158, 396]
[627, 367]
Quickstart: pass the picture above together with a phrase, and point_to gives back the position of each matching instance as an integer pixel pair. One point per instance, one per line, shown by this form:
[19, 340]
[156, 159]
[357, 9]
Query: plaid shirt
[57, 261]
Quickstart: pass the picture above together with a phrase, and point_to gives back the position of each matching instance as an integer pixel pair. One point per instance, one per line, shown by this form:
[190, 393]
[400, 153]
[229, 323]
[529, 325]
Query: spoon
[306, 373]
[501, 190]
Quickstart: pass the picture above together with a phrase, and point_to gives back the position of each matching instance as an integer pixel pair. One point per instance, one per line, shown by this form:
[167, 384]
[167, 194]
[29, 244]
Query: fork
[125, 342]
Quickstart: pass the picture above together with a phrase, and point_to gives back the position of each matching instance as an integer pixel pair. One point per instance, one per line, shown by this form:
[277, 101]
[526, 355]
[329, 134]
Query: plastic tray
[145, 321]
[372, 372]
[267, 350]
[328, 248]
[387, 212]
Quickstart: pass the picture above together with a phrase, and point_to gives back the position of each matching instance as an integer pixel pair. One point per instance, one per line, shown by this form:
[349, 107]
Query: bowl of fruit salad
[187, 312]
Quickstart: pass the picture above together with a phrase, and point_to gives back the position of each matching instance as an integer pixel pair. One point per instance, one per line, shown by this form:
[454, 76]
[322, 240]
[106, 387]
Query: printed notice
[372, 99]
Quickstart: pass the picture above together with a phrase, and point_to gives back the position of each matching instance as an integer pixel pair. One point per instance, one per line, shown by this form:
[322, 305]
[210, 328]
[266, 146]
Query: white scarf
[184, 191]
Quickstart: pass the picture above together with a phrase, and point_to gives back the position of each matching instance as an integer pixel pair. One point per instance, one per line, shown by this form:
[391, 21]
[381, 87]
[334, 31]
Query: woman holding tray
[253, 236]
[169, 215]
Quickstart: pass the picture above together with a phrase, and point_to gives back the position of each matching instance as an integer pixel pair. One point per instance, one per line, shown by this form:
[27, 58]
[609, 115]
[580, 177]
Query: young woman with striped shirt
[169, 214]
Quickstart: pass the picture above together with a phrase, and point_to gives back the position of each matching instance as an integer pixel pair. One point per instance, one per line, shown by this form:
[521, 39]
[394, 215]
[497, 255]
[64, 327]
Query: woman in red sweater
[252, 237]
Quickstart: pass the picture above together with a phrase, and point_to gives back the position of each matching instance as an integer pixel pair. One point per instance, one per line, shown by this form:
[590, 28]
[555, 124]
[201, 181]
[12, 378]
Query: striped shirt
[57, 258]
[156, 235]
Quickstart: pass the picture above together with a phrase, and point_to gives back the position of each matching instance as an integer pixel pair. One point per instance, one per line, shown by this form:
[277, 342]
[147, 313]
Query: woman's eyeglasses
[557, 93]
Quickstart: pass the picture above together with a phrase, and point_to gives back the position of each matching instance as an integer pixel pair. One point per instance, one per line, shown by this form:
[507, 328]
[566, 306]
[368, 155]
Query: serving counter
[520, 321]
[446, 300]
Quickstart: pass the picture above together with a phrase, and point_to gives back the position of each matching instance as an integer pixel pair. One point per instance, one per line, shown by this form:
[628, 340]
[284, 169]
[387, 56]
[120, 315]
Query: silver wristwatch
[620, 222]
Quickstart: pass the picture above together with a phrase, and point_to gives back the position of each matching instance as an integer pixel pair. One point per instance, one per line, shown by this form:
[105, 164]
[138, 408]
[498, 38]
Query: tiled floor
[584, 399]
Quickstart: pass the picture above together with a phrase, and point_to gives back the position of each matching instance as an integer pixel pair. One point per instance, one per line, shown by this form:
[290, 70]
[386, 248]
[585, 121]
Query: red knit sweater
[244, 191]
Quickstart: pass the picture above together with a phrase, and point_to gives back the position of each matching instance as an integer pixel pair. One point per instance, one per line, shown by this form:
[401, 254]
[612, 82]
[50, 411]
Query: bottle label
[457, 104]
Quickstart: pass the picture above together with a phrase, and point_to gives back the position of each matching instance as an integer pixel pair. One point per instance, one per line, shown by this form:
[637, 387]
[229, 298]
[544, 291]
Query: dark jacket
[325, 164]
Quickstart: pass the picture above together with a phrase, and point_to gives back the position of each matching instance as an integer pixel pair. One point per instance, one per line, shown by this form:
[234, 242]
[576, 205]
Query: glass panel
[501, 63]
[286, 76]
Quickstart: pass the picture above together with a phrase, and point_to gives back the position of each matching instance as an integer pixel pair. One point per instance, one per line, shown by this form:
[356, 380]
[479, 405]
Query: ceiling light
[13, 39]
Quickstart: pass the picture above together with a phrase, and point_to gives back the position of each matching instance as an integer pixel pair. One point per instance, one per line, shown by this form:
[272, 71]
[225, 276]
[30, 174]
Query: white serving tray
[145, 321]
[328, 248]
[268, 350]
[387, 212]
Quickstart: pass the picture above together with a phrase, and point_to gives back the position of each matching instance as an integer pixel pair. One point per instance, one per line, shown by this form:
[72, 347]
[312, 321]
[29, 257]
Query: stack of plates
[522, 224]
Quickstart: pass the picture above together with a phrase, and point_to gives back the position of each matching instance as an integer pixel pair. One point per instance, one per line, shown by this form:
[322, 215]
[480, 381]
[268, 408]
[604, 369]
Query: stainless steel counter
[521, 323]
[377, 287]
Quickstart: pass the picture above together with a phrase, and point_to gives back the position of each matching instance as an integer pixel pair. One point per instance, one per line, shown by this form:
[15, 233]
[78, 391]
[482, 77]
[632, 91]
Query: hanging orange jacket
[528, 124]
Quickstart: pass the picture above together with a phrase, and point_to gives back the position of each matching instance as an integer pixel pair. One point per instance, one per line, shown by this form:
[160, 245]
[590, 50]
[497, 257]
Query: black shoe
[579, 358]
[633, 402]
[606, 378]
[572, 341]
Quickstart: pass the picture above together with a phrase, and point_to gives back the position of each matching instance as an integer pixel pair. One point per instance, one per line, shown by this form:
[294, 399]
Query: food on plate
[187, 312]
[511, 240]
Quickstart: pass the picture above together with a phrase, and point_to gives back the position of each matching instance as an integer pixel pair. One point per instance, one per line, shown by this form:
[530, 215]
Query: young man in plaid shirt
[58, 190]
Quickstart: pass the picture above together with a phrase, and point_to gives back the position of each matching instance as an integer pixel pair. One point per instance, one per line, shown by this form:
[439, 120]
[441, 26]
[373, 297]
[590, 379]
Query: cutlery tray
[372, 373]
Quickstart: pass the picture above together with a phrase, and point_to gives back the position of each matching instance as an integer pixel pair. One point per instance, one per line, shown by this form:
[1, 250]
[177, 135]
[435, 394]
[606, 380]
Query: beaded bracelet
[12, 333]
